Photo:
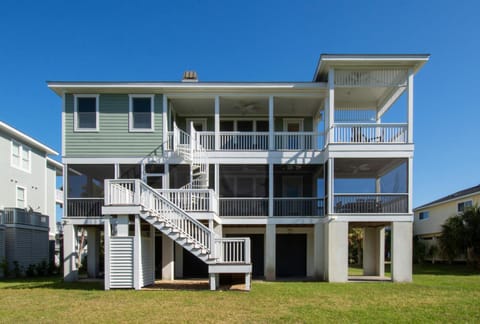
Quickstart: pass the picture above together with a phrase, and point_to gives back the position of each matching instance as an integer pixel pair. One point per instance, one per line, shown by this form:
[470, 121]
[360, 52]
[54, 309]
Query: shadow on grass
[49, 283]
[441, 269]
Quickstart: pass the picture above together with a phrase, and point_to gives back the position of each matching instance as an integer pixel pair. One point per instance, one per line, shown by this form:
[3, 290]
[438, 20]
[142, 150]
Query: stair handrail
[137, 192]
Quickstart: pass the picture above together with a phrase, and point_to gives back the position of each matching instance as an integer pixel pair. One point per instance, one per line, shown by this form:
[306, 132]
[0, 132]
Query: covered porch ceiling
[248, 105]
[365, 168]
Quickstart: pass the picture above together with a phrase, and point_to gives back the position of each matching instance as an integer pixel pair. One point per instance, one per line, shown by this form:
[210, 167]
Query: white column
[217, 123]
[270, 251]
[106, 249]
[326, 114]
[122, 225]
[330, 187]
[168, 265]
[165, 119]
[318, 251]
[337, 260]
[93, 256]
[270, 190]
[166, 176]
[310, 253]
[178, 264]
[271, 124]
[70, 270]
[401, 251]
[137, 254]
[373, 251]
[214, 281]
[331, 103]
[410, 185]
[410, 105]
[152, 250]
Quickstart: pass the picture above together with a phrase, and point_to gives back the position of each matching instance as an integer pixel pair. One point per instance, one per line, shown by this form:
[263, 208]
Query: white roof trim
[56, 164]
[18, 135]
[446, 201]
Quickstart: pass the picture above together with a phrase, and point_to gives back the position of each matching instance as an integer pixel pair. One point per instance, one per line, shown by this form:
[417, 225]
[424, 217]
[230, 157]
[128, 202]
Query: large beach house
[192, 178]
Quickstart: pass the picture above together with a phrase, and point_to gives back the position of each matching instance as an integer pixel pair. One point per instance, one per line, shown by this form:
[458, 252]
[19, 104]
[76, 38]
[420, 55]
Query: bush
[419, 250]
[17, 269]
[31, 270]
[4, 268]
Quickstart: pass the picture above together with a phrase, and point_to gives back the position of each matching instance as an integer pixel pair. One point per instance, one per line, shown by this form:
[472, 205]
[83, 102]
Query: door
[291, 255]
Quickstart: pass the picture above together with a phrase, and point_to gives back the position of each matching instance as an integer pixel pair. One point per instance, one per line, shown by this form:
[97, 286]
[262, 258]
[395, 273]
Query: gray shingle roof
[457, 194]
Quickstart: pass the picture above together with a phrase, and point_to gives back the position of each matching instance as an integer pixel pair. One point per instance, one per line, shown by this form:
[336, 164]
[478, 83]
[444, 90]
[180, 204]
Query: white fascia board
[424, 207]
[371, 218]
[58, 166]
[370, 150]
[415, 61]
[59, 87]
[18, 135]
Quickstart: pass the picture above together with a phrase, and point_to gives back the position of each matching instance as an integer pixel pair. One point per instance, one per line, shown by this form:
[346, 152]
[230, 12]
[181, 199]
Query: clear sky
[250, 41]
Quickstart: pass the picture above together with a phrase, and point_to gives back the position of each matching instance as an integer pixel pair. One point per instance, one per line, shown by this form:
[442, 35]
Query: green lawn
[439, 293]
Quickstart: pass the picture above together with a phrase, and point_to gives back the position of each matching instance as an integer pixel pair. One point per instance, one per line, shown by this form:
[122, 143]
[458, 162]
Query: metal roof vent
[190, 76]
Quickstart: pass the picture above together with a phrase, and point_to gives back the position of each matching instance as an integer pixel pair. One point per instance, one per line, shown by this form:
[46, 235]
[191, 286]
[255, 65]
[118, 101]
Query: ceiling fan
[361, 168]
[245, 108]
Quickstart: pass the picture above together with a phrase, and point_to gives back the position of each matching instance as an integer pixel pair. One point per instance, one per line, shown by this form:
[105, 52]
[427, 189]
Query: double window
[423, 215]
[461, 207]
[141, 113]
[86, 113]
[21, 156]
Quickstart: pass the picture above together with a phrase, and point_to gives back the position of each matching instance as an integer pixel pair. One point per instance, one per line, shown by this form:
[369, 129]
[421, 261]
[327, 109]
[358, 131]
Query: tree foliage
[461, 235]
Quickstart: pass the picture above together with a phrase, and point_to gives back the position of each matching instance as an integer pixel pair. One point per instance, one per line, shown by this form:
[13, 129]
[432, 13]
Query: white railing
[243, 141]
[370, 133]
[169, 141]
[235, 206]
[84, 207]
[301, 206]
[207, 140]
[147, 197]
[225, 250]
[233, 250]
[371, 203]
[285, 141]
[181, 143]
[23, 217]
[194, 200]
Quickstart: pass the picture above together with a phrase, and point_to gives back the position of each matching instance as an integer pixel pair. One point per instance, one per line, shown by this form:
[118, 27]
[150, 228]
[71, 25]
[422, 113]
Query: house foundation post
[93, 256]
[374, 251]
[337, 258]
[168, 264]
[401, 251]
[270, 251]
[70, 270]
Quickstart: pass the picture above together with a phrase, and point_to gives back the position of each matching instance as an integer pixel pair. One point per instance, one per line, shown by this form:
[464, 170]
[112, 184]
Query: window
[86, 113]
[141, 113]
[21, 197]
[423, 215]
[20, 156]
[464, 205]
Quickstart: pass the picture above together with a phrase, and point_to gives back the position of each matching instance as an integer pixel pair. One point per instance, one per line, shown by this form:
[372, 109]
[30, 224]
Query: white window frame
[21, 149]
[425, 218]
[464, 202]
[130, 113]
[286, 121]
[75, 115]
[24, 197]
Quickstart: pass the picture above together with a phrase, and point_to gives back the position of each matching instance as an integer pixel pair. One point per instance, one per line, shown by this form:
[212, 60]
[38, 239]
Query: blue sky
[250, 41]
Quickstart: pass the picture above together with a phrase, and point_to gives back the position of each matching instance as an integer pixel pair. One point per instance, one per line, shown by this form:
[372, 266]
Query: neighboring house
[248, 177]
[430, 217]
[28, 198]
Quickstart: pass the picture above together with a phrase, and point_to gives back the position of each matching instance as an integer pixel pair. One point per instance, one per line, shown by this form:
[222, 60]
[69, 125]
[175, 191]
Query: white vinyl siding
[121, 262]
[21, 156]
[86, 113]
[141, 115]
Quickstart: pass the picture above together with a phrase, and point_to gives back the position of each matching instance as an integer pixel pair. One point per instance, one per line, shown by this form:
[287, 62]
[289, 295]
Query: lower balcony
[370, 203]
[282, 207]
[84, 207]
[20, 216]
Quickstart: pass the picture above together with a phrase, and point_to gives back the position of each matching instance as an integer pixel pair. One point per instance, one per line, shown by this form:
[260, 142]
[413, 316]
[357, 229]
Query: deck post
[271, 124]
[270, 251]
[248, 281]
[70, 270]
[137, 257]
[106, 249]
[217, 124]
[168, 269]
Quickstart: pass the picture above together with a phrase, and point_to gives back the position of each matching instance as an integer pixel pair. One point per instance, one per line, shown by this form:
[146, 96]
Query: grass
[439, 293]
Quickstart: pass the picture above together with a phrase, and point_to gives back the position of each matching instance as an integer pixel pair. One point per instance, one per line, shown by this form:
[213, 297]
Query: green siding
[113, 138]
